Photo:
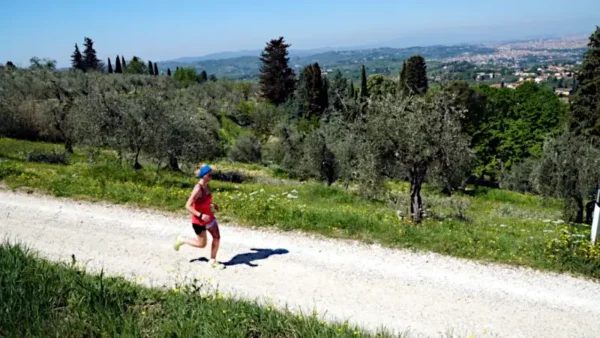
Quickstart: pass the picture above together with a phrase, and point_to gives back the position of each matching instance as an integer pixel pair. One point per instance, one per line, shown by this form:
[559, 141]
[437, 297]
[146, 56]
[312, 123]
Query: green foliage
[77, 59]
[42, 299]
[186, 76]
[364, 90]
[338, 91]
[118, 68]
[519, 178]
[90, 59]
[312, 92]
[585, 107]
[37, 63]
[203, 77]
[569, 168]
[157, 120]
[318, 160]
[513, 125]
[151, 68]
[411, 138]
[402, 85]
[379, 85]
[413, 77]
[136, 66]
[247, 149]
[277, 82]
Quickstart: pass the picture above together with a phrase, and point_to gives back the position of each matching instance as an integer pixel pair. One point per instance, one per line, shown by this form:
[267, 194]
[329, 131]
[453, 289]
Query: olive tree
[138, 115]
[183, 132]
[38, 103]
[414, 137]
[569, 168]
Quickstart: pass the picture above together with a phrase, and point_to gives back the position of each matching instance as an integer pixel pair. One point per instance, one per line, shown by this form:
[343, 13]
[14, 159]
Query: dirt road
[425, 294]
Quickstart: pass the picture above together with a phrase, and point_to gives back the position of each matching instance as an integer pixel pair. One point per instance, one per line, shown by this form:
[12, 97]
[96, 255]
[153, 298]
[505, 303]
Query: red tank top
[202, 205]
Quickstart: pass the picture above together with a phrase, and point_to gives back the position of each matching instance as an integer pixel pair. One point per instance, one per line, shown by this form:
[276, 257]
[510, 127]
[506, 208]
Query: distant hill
[242, 53]
[246, 64]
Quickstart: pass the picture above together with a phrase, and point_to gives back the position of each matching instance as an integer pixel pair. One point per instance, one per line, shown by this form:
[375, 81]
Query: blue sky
[171, 29]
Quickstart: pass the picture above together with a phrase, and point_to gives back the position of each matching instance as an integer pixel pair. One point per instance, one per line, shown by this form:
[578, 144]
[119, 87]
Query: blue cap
[203, 171]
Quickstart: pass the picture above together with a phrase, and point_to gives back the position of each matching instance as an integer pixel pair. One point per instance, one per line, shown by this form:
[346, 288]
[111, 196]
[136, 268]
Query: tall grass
[493, 225]
[43, 299]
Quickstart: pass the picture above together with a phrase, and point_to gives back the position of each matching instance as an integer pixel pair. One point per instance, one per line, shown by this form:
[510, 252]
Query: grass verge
[43, 299]
[493, 225]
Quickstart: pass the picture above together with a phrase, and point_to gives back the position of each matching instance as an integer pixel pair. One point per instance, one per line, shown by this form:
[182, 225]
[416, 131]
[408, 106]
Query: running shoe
[215, 264]
[178, 243]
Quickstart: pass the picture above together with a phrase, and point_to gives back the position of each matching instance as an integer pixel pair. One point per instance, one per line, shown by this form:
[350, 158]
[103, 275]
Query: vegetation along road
[373, 287]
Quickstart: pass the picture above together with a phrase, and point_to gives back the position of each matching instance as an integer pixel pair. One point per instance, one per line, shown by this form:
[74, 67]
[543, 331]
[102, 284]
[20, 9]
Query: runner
[199, 205]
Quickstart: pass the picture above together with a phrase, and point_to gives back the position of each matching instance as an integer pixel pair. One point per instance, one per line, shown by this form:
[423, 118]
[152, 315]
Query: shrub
[519, 177]
[51, 158]
[247, 149]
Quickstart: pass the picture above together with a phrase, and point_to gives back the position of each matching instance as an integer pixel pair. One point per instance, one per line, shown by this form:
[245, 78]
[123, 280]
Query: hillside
[245, 65]
[377, 60]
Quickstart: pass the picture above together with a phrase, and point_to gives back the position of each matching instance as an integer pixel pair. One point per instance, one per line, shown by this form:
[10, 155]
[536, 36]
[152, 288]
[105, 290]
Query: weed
[43, 299]
[492, 225]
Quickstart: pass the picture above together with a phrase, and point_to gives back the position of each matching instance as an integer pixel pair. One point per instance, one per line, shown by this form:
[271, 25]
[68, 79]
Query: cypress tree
[277, 80]
[155, 69]
[416, 75]
[364, 92]
[325, 93]
[150, 68]
[351, 90]
[338, 90]
[402, 87]
[118, 69]
[212, 78]
[123, 64]
[110, 68]
[203, 77]
[312, 91]
[168, 71]
[90, 59]
[77, 59]
[585, 105]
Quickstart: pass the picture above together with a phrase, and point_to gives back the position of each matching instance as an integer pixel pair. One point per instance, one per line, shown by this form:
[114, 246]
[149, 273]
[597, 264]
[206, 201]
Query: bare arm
[196, 193]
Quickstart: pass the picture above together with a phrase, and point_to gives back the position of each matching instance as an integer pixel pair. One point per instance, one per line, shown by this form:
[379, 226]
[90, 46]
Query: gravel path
[425, 294]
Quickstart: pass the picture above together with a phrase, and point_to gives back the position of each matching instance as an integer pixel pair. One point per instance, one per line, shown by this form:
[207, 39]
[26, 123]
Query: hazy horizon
[189, 29]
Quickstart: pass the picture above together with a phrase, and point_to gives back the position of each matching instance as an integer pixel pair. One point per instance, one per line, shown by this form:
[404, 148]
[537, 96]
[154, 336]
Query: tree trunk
[120, 155]
[69, 145]
[173, 163]
[573, 209]
[580, 211]
[137, 164]
[417, 177]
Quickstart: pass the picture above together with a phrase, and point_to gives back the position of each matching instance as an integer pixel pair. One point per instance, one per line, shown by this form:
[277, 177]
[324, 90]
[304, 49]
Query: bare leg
[216, 236]
[198, 242]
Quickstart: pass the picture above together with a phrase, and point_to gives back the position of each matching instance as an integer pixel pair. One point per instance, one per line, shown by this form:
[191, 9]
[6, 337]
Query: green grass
[492, 225]
[43, 299]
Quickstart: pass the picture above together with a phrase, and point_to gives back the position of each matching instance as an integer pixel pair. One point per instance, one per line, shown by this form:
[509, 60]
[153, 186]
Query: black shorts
[199, 229]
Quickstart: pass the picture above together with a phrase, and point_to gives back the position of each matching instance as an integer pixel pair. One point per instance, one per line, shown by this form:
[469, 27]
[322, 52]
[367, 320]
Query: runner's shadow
[249, 257]
[258, 254]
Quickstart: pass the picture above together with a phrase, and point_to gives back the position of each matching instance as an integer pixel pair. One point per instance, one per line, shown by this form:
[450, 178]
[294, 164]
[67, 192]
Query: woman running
[199, 205]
